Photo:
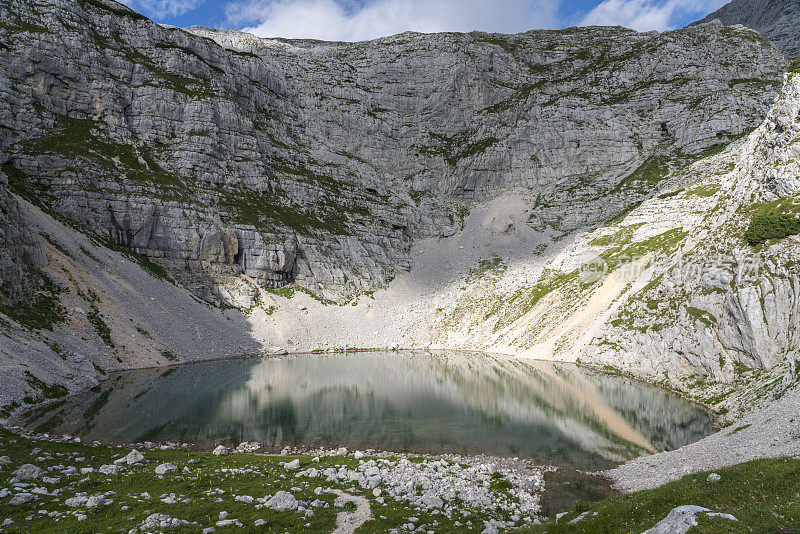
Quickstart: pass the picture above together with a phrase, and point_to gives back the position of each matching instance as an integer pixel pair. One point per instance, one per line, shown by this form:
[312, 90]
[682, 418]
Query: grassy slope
[262, 475]
[764, 495]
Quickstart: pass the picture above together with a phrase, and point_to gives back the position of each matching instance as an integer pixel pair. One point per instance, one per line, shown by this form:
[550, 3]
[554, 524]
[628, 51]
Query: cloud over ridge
[332, 20]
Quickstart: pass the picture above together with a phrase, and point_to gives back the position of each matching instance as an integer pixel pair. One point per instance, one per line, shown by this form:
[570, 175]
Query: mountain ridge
[445, 191]
[336, 170]
[778, 20]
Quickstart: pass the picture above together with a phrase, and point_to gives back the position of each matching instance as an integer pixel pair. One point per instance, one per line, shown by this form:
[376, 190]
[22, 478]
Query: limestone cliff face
[20, 251]
[740, 306]
[320, 163]
[670, 291]
[778, 20]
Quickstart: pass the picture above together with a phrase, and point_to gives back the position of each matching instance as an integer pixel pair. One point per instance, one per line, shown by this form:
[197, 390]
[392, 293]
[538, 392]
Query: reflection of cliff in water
[439, 402]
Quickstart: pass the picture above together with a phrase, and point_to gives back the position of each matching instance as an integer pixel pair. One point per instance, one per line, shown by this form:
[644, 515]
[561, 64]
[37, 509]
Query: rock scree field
[528, 249]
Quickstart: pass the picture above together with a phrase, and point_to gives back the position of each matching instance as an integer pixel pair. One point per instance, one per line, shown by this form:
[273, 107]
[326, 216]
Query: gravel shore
[769, 432]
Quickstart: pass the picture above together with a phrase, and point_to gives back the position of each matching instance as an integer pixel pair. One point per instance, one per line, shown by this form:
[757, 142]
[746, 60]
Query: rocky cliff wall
[21, 253]
[670, 291]
[778, 20]
[319, 163]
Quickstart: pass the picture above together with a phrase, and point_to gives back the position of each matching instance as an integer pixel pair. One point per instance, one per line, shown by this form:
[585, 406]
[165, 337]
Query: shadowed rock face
[319, 163]
[778, 20]
[20, 251]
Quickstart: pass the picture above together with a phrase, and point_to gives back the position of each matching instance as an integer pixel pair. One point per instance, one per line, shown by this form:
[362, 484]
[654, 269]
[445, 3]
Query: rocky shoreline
[506, 490]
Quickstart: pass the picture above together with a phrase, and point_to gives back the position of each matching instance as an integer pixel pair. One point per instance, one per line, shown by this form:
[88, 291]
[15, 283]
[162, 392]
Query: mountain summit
[778, 20]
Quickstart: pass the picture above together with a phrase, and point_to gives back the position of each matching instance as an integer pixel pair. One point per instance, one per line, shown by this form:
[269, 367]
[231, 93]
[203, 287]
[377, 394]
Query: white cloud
[333, 20]
[646, 15]
[160, 9]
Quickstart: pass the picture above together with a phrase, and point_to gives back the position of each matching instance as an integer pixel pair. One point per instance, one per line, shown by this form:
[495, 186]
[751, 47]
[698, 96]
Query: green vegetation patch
[764, 228]
[647, 175]
[739, 429]
[45, 391]
[707, 190]
[83, 138]
[204, 486]
[624, 251]
[288, 291]
[456, 147]
[152, 268]
[794, 66]
[703, 316]
[263, 209]
[21, 26]
[493, 268]
[472, 149]
[115, 9]
[100, 326]
[624, 213]
[550, 280]
[763, 495]
[40, 311]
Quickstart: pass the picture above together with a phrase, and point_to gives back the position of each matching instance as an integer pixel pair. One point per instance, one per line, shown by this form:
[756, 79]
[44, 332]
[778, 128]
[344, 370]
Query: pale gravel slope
[770, 432]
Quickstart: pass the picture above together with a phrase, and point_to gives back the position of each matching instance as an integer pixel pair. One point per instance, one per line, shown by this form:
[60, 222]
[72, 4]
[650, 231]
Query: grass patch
[621, 215]
[100, 326]
[289, 291]
[765, 228]
[794, 66]
[83, 139]
[261, 210]
[701, 315]
[764, 495]
[115, 9]
[743, 427]
[42, 311]
[45, 391]
[206, 485]
[708, 190]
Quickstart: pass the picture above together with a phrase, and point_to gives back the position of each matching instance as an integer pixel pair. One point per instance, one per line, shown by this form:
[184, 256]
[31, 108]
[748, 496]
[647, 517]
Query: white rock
[163, 469]
[221, 450]
[21, 498]
[294, 464]
[681, 519]
[109, 469]
[134, 457]
[282, 501]
[28, 472]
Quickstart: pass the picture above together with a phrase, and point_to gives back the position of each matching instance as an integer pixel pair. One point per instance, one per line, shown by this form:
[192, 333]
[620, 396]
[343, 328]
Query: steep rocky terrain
[573, 194]
[20, 252]
[778, 20]
[319, 163]
[670, 290]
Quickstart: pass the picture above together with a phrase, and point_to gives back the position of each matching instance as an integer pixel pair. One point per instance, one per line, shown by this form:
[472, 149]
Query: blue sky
[355, 20]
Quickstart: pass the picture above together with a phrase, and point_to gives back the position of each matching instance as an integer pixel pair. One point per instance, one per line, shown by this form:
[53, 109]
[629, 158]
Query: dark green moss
[41, 311]
[100, 326]
[767, 227]
[46, 391]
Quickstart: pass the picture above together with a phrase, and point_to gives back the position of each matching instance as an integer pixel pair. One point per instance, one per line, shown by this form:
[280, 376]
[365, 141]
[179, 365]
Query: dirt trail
[348, 522]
